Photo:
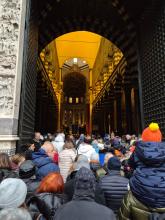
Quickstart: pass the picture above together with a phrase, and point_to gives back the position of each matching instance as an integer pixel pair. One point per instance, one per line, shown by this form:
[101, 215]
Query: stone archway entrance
[31, 25]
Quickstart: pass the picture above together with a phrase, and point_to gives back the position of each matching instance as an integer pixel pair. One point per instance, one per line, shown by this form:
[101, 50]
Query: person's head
[87, 139]
[27, 150]
[85, 183]
[68, 145]
[37, 136]
[50, 136]
[116, 143]
[49, 149]
[82, 137]
[28, 146]
[107, 157]
[114, 164]
[15, 214]
[152, 133]
[27, 169]
[5, 161]
[52, 183]
[12, 193]
[18, 159]
[82, 161]
[94, 157]
[71, 137]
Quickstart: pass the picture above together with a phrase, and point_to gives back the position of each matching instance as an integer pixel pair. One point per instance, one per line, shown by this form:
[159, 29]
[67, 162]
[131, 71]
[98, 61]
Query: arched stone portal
[136, 27]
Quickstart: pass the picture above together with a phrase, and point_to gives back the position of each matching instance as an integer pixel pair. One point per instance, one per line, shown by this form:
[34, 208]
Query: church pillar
[128, 110]
[12, 26]
[119, 115]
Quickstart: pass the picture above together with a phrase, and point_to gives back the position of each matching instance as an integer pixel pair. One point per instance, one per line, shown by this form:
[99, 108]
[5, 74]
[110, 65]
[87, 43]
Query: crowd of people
[60, 177]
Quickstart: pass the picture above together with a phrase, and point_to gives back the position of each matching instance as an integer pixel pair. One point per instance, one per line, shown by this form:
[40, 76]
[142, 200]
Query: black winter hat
[114, 163]
[27, 169]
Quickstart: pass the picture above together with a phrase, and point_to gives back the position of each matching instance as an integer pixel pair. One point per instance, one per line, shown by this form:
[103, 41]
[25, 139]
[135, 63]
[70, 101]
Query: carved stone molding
[9, 31]
[8, 144]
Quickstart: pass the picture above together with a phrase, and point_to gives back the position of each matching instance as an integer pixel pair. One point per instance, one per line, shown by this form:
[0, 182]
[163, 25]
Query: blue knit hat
[114, 163]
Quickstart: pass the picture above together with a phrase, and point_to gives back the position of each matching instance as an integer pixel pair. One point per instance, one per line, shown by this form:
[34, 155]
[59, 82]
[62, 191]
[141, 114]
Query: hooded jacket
[83, 205]
[148, 182]
[86, 149]
[69, 189]
[58, 143]
[44, 164]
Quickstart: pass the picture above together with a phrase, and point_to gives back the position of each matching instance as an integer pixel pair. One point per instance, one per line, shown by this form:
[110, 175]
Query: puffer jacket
[44, 164]
[114, 187]
[133, 209]
[148, 182]
[45, 204]
[66, 159]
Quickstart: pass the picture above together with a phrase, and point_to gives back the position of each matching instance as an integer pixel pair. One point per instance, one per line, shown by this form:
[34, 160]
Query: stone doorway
[137, 28]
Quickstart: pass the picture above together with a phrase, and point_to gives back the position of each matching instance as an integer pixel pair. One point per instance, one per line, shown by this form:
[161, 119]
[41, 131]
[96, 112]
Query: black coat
[84, 208]
[114, 187]
[32, 185]
[69, 189]
[45, 204]
[7, 173]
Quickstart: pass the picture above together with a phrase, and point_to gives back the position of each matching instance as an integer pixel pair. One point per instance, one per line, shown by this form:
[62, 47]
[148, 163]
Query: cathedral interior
[92, 66]
[85, 73]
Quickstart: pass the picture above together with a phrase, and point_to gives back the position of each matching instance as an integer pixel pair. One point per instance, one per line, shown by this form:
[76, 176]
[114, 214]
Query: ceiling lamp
[75, 60]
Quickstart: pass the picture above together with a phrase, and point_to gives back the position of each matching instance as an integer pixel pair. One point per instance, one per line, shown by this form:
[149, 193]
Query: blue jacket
[44, 164]
[148, 182]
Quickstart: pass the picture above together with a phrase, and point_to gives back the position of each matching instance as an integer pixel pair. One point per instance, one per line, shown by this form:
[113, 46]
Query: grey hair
[14, 214]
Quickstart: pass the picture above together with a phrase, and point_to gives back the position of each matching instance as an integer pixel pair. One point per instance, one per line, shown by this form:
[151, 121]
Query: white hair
[15, 214]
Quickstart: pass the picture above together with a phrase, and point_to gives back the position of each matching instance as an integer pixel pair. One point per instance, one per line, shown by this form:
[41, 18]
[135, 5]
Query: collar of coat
[114, 172]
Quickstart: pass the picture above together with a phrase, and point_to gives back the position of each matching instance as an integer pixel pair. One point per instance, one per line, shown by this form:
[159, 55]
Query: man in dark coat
[83, 205]
[114, 185]
[37, 141]
[43, 159]
[70, 183]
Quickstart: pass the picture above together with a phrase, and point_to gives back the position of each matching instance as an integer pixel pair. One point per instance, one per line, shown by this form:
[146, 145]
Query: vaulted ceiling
[80, 44]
